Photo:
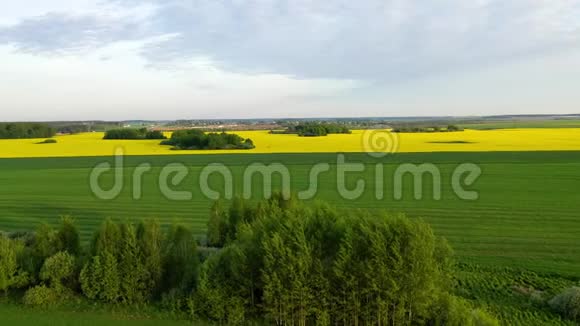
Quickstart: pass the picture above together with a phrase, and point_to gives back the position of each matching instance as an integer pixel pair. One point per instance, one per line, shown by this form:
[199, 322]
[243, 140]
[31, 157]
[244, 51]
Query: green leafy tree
[100, 277]
[91, 277]
[132, 270]
[217, 226]
[46, 244]
[181, 260]
[11, 275]
[68, 236]
[58, 270]
[17, 130]
[150, 240]
[195, 139]
[111, 281]
[107, 239]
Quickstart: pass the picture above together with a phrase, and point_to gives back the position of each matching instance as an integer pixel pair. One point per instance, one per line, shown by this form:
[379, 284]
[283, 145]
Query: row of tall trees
[277, 261]
[316, 129]
[123, 263]
[197, 139]
[132, 134]
[421, 129]
[17, 130]
[298, 265]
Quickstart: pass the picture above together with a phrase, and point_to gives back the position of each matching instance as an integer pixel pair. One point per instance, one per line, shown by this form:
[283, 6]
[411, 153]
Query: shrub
[25, 130]
[421, 129]
[155, 134]
[454, 311]
[69, 236]
[295, 264]
[48, 141]
[90, 278]
[41, 295]
[123, 134]
[131, 134]
[197, 139]
[482, 318]
[316, 129]
[567, 303]
[58, 270]
[11, 275]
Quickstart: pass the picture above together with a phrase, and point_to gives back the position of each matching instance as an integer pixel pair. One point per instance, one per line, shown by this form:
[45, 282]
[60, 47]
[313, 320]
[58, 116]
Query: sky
[214, 59]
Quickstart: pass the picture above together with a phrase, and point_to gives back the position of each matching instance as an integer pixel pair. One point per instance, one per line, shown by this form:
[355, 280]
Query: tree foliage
[11, 274]
[567, 303]
[133, 134]
[303, 265]
[279, 261]
[316, 129]
[195, 139]
[429, 129]
[16, 130]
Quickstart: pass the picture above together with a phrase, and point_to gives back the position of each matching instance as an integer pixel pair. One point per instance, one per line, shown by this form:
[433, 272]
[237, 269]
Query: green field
[522, 232]
[526, 216]
[11, 314]
[536, 123]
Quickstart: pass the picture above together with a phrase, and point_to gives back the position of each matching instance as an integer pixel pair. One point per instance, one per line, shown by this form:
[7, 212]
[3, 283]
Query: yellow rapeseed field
[92, 144]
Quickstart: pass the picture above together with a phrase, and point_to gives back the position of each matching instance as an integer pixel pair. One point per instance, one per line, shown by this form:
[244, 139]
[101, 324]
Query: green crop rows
[517, 245]
[527, 214]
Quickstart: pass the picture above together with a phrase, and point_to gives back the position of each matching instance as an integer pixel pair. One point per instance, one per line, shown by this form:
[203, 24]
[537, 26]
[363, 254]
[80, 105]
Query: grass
[92, 144]
[526, 216]
[513, 124]
[515, 297]
[11, 314]
[519, 238]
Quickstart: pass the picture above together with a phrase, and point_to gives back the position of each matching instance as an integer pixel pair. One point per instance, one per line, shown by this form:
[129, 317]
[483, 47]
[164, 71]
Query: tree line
[17, 130]
[276, 262]
[133, 134]
[419, 129]
[315, 129]
[195, 139]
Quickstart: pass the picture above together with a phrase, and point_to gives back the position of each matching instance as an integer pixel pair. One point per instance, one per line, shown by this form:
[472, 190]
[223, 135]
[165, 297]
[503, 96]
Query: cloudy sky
[169, 59]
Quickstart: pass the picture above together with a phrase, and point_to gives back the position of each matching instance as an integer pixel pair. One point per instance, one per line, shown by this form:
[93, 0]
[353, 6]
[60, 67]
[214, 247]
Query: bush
[482, 318]
[48, 141]
[567, 303]
[41, 295]
[421, 129]
[155, 134]
[133, 134]
[195, 139]
[454, 311]
[11, 274]
[316, 129]
[295, 264]
[25, 130]
[58, 270]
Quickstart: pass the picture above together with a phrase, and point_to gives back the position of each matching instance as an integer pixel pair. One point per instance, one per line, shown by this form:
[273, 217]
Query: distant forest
[19, 130]
[315, 129]
[132, 134]
[420, 129]
[196, 139]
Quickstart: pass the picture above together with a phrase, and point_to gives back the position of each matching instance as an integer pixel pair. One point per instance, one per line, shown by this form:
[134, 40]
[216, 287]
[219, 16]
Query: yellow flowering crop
[92, 144]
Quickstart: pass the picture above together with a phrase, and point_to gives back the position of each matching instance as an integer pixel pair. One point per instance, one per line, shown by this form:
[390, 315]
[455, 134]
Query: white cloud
[111, 84]
[11, 12]
[372, 39]
[123, 59]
